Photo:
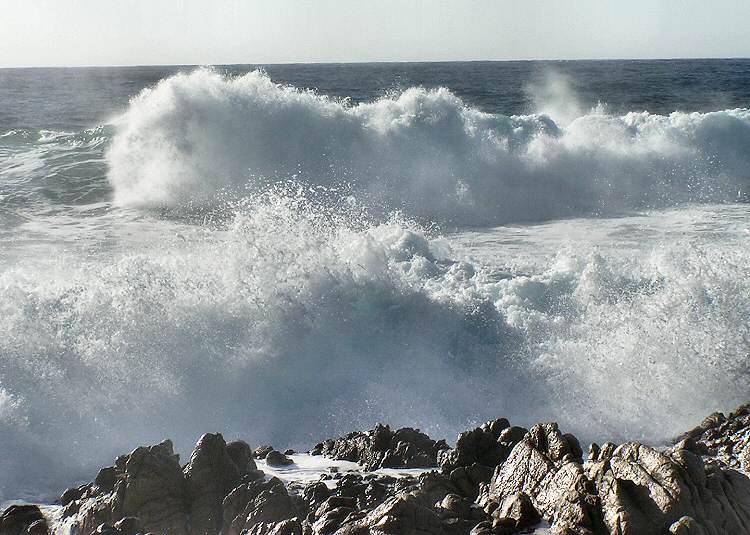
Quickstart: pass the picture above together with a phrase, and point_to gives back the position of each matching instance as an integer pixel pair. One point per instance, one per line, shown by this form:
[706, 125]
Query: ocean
[285, 253]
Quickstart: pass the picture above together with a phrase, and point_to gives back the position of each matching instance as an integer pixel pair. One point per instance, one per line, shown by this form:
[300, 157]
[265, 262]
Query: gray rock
[242, 456]
[149, 485]
[256, 502]
[645, 491]
[383, 448]
[479, 446]
[404, 514]
[546, 466]
[724, 439]
[517, 511]
[686, 526]
[276, 458]
[16, 519]
[129, 525]
[210, 475]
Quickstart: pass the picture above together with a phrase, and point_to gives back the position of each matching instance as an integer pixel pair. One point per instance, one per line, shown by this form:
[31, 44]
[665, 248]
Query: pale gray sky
[137, 32]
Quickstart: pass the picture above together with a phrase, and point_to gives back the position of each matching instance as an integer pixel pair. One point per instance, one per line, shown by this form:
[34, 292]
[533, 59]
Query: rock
[483, 528]
[331, 520]
[17, 518]
[403, 515]
[315, 494]
[517, 511]
[106, 478]
[72, 494]
[646, 491]
[725, 439]
[261, 451]
[547, 468]
[149, 484]
[129, 525]
[468, 478]
[511, 436]
[242, 456]
[480, 446]
[256, 502]
[498, 480]
[153, 489]
[686, 526]
[285, 527]
[210, 475]
[106, 529]
[276, 458]
[436, 486]
[383, 448]
[38, 527]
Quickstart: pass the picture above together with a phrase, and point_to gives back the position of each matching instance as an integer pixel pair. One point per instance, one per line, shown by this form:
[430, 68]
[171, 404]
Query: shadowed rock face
[499, 480]
[17, 519]
[209, 476]
[383, 448]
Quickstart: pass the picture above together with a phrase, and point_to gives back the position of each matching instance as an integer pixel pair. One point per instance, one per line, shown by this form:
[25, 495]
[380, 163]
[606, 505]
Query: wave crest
[423, 151]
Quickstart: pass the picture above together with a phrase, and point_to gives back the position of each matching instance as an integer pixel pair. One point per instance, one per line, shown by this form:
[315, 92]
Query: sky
[144, 32]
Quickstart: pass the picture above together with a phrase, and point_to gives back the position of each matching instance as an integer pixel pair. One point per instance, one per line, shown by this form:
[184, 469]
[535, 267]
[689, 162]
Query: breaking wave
[421, 151]
[294, 321]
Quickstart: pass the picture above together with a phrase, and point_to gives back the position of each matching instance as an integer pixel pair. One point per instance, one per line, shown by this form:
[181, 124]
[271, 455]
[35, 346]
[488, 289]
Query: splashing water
[283, 267]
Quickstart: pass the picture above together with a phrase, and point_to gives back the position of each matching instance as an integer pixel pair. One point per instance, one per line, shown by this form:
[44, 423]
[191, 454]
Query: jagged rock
[547, 467]
[646, 492]
[632, 489]
[436, 486]
[285, 527]
[686, 526]
[483, 528]
[16, 519]
[38, 527]
[403, 515]
[149, 485]
[725, 438]
[106, 478]
[383, 448]
[517, 512]
[454, 506]
[479, 446]
[331, 520]
[261, 451]
[153, 489]
[256, 502]
[242, 456]
[468, 478]
[72, 494]
[315, 494]
[106, 529]
[210, 475]
[129, 525]
[276, 458]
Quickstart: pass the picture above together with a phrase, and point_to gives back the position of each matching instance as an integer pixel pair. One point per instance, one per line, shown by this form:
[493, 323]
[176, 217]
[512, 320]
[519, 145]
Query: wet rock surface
[383, 448]
[498, 480]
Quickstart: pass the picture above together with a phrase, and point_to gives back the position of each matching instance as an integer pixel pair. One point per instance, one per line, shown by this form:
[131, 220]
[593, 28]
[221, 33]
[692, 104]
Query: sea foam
[421, 151]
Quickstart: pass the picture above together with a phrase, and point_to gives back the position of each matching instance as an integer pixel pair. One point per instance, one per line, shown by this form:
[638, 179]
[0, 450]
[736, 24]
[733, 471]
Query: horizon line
[529, 60]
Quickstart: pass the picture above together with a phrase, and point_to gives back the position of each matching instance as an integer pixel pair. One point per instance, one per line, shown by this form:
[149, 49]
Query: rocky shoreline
[499, 479]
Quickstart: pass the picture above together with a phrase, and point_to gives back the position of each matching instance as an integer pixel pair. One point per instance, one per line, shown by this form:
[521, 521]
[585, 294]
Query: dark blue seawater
[64, 99]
